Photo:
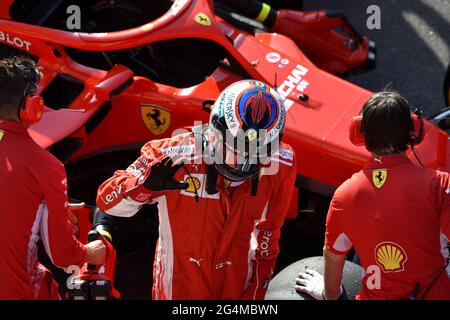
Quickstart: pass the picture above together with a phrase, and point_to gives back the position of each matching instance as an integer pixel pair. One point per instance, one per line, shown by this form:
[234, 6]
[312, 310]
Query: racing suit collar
[387, 161]
[13, 127]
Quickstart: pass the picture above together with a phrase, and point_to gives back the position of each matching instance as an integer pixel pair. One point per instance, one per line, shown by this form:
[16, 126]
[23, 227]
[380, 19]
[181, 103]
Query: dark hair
[19, 77]
[386, 123]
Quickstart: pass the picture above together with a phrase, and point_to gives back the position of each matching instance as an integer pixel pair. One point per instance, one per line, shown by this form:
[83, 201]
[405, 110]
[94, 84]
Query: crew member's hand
[161, 176]
[311, 282]
[96, 252]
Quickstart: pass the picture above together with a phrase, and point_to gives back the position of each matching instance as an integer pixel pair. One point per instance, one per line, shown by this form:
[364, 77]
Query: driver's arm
[124, 194]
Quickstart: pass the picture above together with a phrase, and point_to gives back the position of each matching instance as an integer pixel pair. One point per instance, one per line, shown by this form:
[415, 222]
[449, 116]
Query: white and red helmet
[247, 122]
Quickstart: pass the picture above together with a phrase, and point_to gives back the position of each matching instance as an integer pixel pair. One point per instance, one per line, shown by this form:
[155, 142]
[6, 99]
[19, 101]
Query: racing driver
[222, 191]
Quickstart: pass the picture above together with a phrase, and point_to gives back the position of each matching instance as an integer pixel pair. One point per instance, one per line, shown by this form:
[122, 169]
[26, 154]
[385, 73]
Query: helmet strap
[211, 179]
[255, 182]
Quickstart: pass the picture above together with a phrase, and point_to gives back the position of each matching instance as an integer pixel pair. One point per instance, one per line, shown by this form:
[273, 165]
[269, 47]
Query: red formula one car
[107, 93]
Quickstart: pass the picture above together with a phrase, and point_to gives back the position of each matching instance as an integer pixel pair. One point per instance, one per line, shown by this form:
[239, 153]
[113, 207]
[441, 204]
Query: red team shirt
[397, 217]
[33, 192]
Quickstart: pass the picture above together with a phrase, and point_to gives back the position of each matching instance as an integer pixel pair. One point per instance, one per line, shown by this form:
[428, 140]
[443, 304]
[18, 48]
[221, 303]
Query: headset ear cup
[356, 134]
[33, 110]
[417, 134]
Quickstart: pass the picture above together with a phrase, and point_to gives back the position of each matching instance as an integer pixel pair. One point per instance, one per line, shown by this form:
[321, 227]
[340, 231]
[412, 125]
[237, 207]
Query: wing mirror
[118, 79]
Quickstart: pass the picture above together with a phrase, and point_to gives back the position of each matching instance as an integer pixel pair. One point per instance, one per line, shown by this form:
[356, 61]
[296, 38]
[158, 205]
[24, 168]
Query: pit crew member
[33, 193]
[395, 214]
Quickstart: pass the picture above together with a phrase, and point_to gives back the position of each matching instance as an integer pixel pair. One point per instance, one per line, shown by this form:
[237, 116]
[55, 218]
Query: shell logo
[194, 184]
[390, 257]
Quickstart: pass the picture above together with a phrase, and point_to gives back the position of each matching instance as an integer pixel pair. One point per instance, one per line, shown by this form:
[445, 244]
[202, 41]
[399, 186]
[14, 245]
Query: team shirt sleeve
[336, 240]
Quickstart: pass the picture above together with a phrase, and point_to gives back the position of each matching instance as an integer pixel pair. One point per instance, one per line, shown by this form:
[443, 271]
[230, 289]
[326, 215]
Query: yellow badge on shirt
[194, 184]
[379, 177]
[391, 257]
[2, 133]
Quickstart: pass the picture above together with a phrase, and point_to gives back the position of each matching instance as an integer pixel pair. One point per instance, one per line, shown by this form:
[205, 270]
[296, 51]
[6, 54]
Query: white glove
[311, 282]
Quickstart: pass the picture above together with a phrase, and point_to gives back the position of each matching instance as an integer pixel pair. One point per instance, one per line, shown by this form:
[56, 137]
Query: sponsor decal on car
[156, 118]
[273, 57]
[276, 58]
[284, 61]
[14, 41]
[295, 83]
[202, 19]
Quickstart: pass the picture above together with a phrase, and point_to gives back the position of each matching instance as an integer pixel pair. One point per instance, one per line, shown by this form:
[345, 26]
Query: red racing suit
[222, 247]
[33, 193]
[397, 217]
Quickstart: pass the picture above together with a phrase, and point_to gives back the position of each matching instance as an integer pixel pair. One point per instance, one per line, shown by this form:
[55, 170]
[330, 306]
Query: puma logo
[195, 261]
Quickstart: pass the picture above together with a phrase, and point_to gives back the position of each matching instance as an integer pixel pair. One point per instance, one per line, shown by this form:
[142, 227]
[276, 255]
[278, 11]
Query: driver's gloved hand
[161, 176]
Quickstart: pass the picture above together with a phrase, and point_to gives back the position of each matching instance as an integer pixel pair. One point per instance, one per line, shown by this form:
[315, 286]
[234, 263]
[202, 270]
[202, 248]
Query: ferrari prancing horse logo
[202, 19]
[379, 177]
[156, 118]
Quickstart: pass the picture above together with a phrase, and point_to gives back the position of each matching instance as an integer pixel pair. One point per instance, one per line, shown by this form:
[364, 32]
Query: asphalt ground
[413, 46]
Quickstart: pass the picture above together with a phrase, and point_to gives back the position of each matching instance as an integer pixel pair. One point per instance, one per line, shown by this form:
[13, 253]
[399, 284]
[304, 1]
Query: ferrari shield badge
[379, 177]
[202, 19]
[156, 118]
